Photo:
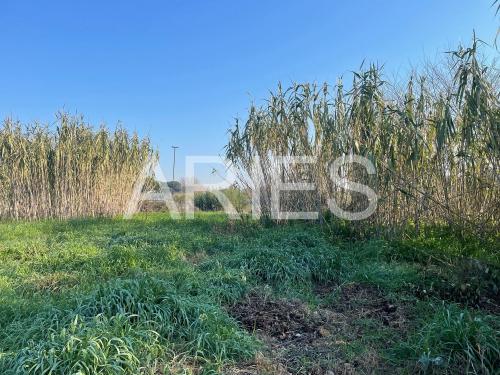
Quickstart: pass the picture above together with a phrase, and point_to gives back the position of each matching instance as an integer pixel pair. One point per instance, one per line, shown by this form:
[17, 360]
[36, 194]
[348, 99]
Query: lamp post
[173, 166]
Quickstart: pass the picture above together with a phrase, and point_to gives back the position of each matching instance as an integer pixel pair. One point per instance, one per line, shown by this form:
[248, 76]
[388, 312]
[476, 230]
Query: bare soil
[301, 340]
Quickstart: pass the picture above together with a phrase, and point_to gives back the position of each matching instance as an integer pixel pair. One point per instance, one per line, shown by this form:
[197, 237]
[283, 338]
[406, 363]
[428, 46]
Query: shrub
[207, 201]
[174, 186]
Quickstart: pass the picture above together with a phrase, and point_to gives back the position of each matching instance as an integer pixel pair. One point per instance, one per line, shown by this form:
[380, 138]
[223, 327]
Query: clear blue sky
[180, 71]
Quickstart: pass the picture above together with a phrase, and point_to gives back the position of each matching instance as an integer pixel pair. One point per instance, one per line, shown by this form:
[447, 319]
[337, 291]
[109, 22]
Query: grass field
[154, 295]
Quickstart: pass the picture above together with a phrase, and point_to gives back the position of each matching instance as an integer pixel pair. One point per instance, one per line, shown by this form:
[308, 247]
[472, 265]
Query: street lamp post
[173, 166]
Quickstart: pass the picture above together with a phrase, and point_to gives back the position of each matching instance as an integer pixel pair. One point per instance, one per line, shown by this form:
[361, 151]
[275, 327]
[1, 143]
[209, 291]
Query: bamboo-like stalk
[435, 144]
[72, 172]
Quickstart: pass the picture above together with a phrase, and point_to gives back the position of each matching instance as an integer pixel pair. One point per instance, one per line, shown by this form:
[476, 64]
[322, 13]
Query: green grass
[154, 295]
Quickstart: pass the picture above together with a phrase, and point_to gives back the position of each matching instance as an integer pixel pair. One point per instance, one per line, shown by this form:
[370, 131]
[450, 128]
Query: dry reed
[435, 143]
[73, 171]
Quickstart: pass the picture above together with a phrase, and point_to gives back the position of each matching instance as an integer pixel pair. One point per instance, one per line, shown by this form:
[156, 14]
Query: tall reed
[73, 171]
[435, 143]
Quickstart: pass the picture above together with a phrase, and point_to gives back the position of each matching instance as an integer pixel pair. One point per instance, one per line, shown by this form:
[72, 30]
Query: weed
[460, 339]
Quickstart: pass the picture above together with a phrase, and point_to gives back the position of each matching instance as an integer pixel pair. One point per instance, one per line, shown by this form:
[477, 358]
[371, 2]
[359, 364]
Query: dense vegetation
[73, 171]
[156, 295]
[434, 141]
[413, 289]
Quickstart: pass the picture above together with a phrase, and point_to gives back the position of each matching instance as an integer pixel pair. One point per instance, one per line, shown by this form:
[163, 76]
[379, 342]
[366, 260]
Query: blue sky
[180, 71]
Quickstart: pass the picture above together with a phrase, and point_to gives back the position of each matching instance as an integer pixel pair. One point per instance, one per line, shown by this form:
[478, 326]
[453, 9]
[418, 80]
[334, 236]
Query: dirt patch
[492, 307]
[297, 339]
[259, 366]
[324, 340]
[281, 319]
[363, 301]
